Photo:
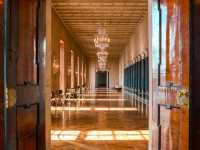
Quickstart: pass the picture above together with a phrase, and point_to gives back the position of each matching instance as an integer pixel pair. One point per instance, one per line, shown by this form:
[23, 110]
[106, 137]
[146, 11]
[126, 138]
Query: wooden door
[27, 73]
[25, 102]
[170, 56]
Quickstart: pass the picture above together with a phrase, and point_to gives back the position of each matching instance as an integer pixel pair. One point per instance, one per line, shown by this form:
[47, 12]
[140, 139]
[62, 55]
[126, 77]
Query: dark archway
[102, 79]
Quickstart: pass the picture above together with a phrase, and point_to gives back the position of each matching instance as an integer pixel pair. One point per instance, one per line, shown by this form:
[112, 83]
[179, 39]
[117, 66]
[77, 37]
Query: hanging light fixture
[55, 65]
[102, 60]
[102, 55]
[101, 41]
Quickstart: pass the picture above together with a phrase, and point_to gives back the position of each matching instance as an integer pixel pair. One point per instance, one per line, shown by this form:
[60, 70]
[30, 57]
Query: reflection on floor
[59, 135]
[102, 120]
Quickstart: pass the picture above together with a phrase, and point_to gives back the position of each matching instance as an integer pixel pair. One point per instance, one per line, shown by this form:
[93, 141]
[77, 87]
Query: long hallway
[100, 120]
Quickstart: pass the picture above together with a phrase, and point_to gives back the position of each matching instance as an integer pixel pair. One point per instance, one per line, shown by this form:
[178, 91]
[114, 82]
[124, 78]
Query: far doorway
[102, 79]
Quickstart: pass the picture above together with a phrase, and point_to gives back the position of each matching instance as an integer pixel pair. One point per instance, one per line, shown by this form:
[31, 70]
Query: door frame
[6, 6]
[107, 78]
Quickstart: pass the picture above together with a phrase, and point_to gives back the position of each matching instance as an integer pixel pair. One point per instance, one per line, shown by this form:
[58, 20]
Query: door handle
[183, 97]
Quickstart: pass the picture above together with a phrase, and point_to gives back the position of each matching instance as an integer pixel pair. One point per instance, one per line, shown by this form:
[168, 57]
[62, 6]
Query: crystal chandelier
[102, 66]
[101, 40]
[102, 55]
[102, 60]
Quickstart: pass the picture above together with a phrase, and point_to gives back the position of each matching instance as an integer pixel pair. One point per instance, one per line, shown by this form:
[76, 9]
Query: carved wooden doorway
[24, 62]
[170, 68]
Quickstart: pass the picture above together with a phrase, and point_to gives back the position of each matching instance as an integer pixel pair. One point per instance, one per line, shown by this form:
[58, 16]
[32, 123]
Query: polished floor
[100, 120]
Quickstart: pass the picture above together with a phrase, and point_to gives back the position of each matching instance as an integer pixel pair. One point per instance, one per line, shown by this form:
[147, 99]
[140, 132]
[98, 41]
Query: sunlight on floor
[58, 135]
[108, 94]
[101, 99]
[130, 135]
[64, 108]
[115, 109]
[134, 135]
[99, 135]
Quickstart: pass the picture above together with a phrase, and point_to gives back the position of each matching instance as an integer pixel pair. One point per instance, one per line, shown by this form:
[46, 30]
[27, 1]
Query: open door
[101, 79]
[26, 120]
[170, 84]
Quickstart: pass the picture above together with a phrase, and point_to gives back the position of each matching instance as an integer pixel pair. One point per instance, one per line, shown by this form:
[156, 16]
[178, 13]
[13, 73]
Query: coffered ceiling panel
[82, 17]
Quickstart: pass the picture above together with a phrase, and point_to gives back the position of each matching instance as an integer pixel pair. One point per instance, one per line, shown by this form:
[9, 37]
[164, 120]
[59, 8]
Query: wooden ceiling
[82, 17]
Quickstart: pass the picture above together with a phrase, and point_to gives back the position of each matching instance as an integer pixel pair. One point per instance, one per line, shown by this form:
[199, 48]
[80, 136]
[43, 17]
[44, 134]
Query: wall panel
[59, 32]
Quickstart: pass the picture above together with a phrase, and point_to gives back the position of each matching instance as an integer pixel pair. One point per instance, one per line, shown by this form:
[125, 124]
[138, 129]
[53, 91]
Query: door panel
[27, 126]
[23, 76]
[27, 44]
[27, 76]
[170, 118]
